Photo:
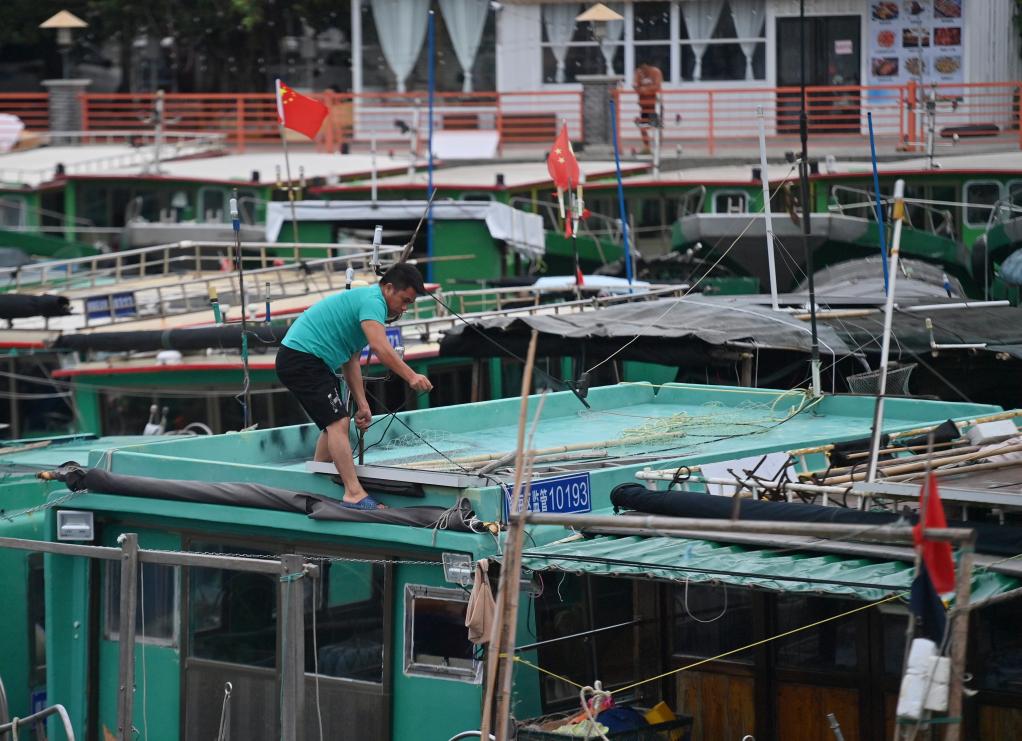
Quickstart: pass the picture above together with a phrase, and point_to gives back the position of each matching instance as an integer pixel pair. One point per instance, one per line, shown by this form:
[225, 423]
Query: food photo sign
[917, 40]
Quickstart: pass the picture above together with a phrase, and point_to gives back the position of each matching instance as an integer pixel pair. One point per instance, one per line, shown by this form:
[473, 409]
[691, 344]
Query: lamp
[598, 17]
[64, 22]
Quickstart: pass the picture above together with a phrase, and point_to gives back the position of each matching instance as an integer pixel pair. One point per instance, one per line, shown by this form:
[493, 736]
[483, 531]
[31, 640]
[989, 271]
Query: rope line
[725, 654]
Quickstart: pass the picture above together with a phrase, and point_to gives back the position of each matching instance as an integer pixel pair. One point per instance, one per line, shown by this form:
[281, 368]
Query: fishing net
[869, 382]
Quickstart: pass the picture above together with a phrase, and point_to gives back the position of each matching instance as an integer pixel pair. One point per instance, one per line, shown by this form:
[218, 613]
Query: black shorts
[317, 388]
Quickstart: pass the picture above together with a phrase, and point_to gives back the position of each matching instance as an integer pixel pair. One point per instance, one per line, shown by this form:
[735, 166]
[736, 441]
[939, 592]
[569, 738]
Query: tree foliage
[212, 45]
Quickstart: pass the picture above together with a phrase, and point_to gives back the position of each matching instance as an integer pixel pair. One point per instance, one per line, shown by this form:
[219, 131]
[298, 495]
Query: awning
[522, 231]
[704, 561]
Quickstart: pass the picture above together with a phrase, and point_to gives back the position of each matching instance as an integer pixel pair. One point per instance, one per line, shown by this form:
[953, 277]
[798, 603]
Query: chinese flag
[561, 162]
[936, 556]
[299, 112]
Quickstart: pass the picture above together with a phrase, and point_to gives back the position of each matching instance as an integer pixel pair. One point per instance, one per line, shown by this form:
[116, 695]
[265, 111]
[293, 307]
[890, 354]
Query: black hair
[403, 276]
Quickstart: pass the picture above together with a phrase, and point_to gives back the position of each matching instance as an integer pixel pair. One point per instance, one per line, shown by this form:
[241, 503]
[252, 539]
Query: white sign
[917, 40]
[843, 47]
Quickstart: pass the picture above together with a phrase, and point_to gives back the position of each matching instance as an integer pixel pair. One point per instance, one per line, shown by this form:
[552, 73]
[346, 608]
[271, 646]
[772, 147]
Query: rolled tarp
[21, 306]
[241, 494]
[224, 337]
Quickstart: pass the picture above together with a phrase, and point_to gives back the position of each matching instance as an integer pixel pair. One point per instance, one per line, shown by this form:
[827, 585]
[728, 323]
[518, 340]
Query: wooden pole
[959, 638]
[499, 665]
[292, 638]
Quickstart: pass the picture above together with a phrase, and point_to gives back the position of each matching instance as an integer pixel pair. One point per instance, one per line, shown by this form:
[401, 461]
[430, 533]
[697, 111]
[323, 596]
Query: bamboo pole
[915, 467]
[499, 665]
[959, 638]
[937, 456]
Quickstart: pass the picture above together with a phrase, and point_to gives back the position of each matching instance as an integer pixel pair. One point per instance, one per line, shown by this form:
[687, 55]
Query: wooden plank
[722, 706]
[802, 712]
[999, 722]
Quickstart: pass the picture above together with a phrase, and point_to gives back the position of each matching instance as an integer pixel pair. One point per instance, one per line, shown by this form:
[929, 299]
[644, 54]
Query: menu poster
[917, 40]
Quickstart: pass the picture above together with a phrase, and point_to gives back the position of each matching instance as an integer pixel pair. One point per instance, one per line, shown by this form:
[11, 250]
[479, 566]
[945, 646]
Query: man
[648, 80]
[330, 334]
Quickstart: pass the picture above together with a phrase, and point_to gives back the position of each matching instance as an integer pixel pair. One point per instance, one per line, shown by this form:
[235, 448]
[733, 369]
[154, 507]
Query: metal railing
[712, 118]
[919, 216]
[32, 108]
[130, 556]
[172, 145]
[251, 118]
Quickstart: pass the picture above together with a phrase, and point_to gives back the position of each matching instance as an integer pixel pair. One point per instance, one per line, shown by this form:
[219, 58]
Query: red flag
[936, 556]
[299, 112]
[579, 280]
[561, 162]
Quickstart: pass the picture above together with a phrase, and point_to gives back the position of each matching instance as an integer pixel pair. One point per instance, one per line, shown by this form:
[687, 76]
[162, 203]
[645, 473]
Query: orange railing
[715, 118]
[701, 119]
[250, 118]
[32, 108]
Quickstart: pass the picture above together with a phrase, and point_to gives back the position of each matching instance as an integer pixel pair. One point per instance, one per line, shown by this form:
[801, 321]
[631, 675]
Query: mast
[803, 172]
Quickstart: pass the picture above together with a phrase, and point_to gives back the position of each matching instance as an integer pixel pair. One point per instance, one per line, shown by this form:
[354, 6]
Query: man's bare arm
[377, 336]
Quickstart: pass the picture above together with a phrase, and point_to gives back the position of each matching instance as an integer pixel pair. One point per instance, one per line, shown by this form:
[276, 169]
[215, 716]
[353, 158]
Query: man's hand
[363, 417]
[419, 382]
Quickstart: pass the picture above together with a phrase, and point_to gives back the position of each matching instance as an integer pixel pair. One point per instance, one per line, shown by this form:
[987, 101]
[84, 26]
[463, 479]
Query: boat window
[730, 202]
[1015, 194]
[998, 647]
[436, 639]
[213, 205]
[893, 618]
[232, 615]
[477, 196]
[157, 599]
[830, 647]
[711, 620]
[980, 196]
[36, 621]
[12, 212]
[944, 216]
[349, 621]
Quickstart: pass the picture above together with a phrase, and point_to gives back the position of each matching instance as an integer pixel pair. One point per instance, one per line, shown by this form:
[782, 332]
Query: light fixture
[74, 525]
[599, 16]
[64, 22]
[458, 568]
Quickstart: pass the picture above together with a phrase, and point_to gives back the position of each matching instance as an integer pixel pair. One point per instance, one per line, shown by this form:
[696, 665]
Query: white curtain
[401, 28]
[700, 19]
[559, 22]
[748, 17]
[615, 29]
[465, 20]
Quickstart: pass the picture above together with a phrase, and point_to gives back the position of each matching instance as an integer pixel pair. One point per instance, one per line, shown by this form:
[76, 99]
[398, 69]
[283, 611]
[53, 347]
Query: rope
[225, 718]
[725, 654]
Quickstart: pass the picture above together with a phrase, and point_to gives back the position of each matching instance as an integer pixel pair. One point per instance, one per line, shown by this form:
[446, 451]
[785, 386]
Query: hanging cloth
[700, 20]
[559, 22]
[608, 47]
[401, 28]
[481, 605]
[465, 20]
[748, 16]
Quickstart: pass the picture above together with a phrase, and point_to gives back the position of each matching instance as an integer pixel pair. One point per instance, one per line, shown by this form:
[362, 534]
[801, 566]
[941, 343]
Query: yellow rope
[693, 665]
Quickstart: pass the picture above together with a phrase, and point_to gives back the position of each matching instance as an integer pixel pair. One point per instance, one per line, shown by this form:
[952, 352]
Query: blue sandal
[366, 503]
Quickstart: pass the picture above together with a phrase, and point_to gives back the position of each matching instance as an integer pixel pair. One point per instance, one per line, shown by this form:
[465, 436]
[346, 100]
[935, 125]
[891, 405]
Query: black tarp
[998, 540]
[20, 305]
[667, 330]
[238, 494]
[227, 336]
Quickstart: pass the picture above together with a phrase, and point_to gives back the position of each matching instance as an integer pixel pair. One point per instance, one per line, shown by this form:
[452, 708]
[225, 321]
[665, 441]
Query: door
[833, 60]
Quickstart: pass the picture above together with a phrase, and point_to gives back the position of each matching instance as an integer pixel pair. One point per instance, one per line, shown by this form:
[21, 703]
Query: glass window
[1015, 193]
[580, 53]
[979, 198]
[831, 646]
[213, 205]
[707, 52]
[436, 639]
[711, 620]
[232, 615]
[349, 621]
[157, 600]
[730, 203]
[996, 645]
[12, 212]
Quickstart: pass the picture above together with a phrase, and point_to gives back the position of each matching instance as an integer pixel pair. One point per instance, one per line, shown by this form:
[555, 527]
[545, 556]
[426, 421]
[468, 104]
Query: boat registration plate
[568, 494]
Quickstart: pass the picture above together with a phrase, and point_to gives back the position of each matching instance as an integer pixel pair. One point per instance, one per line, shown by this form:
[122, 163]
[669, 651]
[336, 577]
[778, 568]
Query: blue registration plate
[568, 494]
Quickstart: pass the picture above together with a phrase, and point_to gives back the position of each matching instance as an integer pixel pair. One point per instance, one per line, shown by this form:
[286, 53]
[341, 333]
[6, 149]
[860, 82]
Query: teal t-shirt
[332, 328]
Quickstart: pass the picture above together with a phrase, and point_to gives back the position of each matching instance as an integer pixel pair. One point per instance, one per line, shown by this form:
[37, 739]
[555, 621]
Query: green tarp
[678, 559]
